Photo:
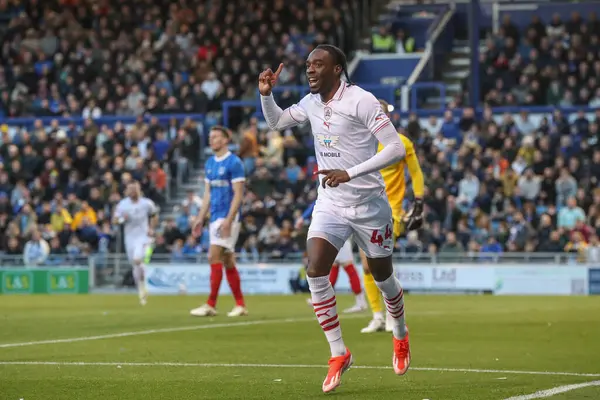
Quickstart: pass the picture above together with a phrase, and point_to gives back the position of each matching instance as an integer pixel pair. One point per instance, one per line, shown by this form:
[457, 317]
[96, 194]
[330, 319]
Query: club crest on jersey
[327, 141]
[327, 113]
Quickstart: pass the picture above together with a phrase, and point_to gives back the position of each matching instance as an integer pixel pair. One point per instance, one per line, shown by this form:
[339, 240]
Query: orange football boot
[401, 359]
[337, 366]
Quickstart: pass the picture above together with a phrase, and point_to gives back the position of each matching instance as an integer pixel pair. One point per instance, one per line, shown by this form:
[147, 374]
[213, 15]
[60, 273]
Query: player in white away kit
[347, 123]
[139, 216]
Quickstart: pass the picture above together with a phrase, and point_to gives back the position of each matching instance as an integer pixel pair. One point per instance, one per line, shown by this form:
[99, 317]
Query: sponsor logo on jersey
[327, 141]
[329, 154]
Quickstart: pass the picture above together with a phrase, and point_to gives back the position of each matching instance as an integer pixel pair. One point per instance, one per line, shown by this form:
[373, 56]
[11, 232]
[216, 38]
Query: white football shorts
[136, 248]
[370, 223]
[345, 254]
[227, 243]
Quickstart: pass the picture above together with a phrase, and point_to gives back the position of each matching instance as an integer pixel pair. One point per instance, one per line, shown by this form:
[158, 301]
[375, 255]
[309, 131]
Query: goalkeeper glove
[413, 219]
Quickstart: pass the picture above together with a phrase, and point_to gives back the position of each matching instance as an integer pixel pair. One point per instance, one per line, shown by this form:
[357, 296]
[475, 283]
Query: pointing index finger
[278, 70]
[322, 172]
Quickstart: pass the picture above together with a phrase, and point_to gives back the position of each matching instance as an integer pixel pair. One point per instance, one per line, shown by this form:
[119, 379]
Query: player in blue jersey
[223, 194]
[344, 259]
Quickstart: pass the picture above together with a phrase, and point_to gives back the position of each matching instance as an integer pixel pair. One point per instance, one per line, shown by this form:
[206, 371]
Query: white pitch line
[554, 391]
[185, 328]
[226, 365]
[168, 330]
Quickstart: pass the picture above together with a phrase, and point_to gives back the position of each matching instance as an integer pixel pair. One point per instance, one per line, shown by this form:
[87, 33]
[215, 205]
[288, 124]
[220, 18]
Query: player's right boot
[376, 325]
[337, 366]
[204, 311]
[238, 311]
[401, 358]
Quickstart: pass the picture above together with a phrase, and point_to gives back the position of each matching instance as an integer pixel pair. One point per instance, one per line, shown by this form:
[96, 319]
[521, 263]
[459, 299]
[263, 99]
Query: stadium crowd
[512, 186]
[92, 58]
[549, 63]
[58, 187]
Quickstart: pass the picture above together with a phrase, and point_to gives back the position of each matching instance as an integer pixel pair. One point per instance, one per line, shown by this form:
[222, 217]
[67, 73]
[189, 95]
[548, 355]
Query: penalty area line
[554, 391]
[227, 365]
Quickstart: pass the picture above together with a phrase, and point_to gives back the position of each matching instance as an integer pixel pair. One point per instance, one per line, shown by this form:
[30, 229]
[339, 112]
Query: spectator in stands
[592, 255]
[383, 41]
[468, 188]
[404, 42]
[529, 185]
[268, 236]
[569, 216]
[36, 250]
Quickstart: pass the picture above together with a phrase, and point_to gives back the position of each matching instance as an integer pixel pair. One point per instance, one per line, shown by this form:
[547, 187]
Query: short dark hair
[339, 58]
[226, 132]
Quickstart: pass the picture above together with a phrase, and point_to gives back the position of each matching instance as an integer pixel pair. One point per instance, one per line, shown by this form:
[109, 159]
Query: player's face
[133, 191]
[217, 140]
[320, 71]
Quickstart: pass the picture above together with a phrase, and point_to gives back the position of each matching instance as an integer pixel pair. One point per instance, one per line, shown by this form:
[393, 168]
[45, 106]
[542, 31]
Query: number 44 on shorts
[378, 237]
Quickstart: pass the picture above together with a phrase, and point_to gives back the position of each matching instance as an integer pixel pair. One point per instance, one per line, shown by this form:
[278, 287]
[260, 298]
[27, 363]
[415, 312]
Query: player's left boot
[337, 366]
[309, 302]
[204, 311]
[401, 358]
[238, 311]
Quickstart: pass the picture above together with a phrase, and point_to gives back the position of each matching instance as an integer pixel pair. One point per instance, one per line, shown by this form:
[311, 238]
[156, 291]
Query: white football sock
[393, 296]
[324, 304]
[140, 282]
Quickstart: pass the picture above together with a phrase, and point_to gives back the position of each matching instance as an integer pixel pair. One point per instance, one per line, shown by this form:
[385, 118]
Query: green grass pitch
[463, 348]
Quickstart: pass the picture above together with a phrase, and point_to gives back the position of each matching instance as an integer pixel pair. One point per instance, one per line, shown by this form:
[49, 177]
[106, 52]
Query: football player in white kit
[348, 123]
[139, 216]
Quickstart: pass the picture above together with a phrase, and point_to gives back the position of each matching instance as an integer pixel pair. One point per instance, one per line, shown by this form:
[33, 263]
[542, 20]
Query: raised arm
[371, 114]
[276, 117]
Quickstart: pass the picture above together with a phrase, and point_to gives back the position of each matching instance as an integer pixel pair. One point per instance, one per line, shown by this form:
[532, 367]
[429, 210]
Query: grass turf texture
[557, 334]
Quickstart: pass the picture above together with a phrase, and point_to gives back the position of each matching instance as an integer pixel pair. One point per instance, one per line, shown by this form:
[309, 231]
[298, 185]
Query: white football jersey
[136, 215]
[344, 132]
